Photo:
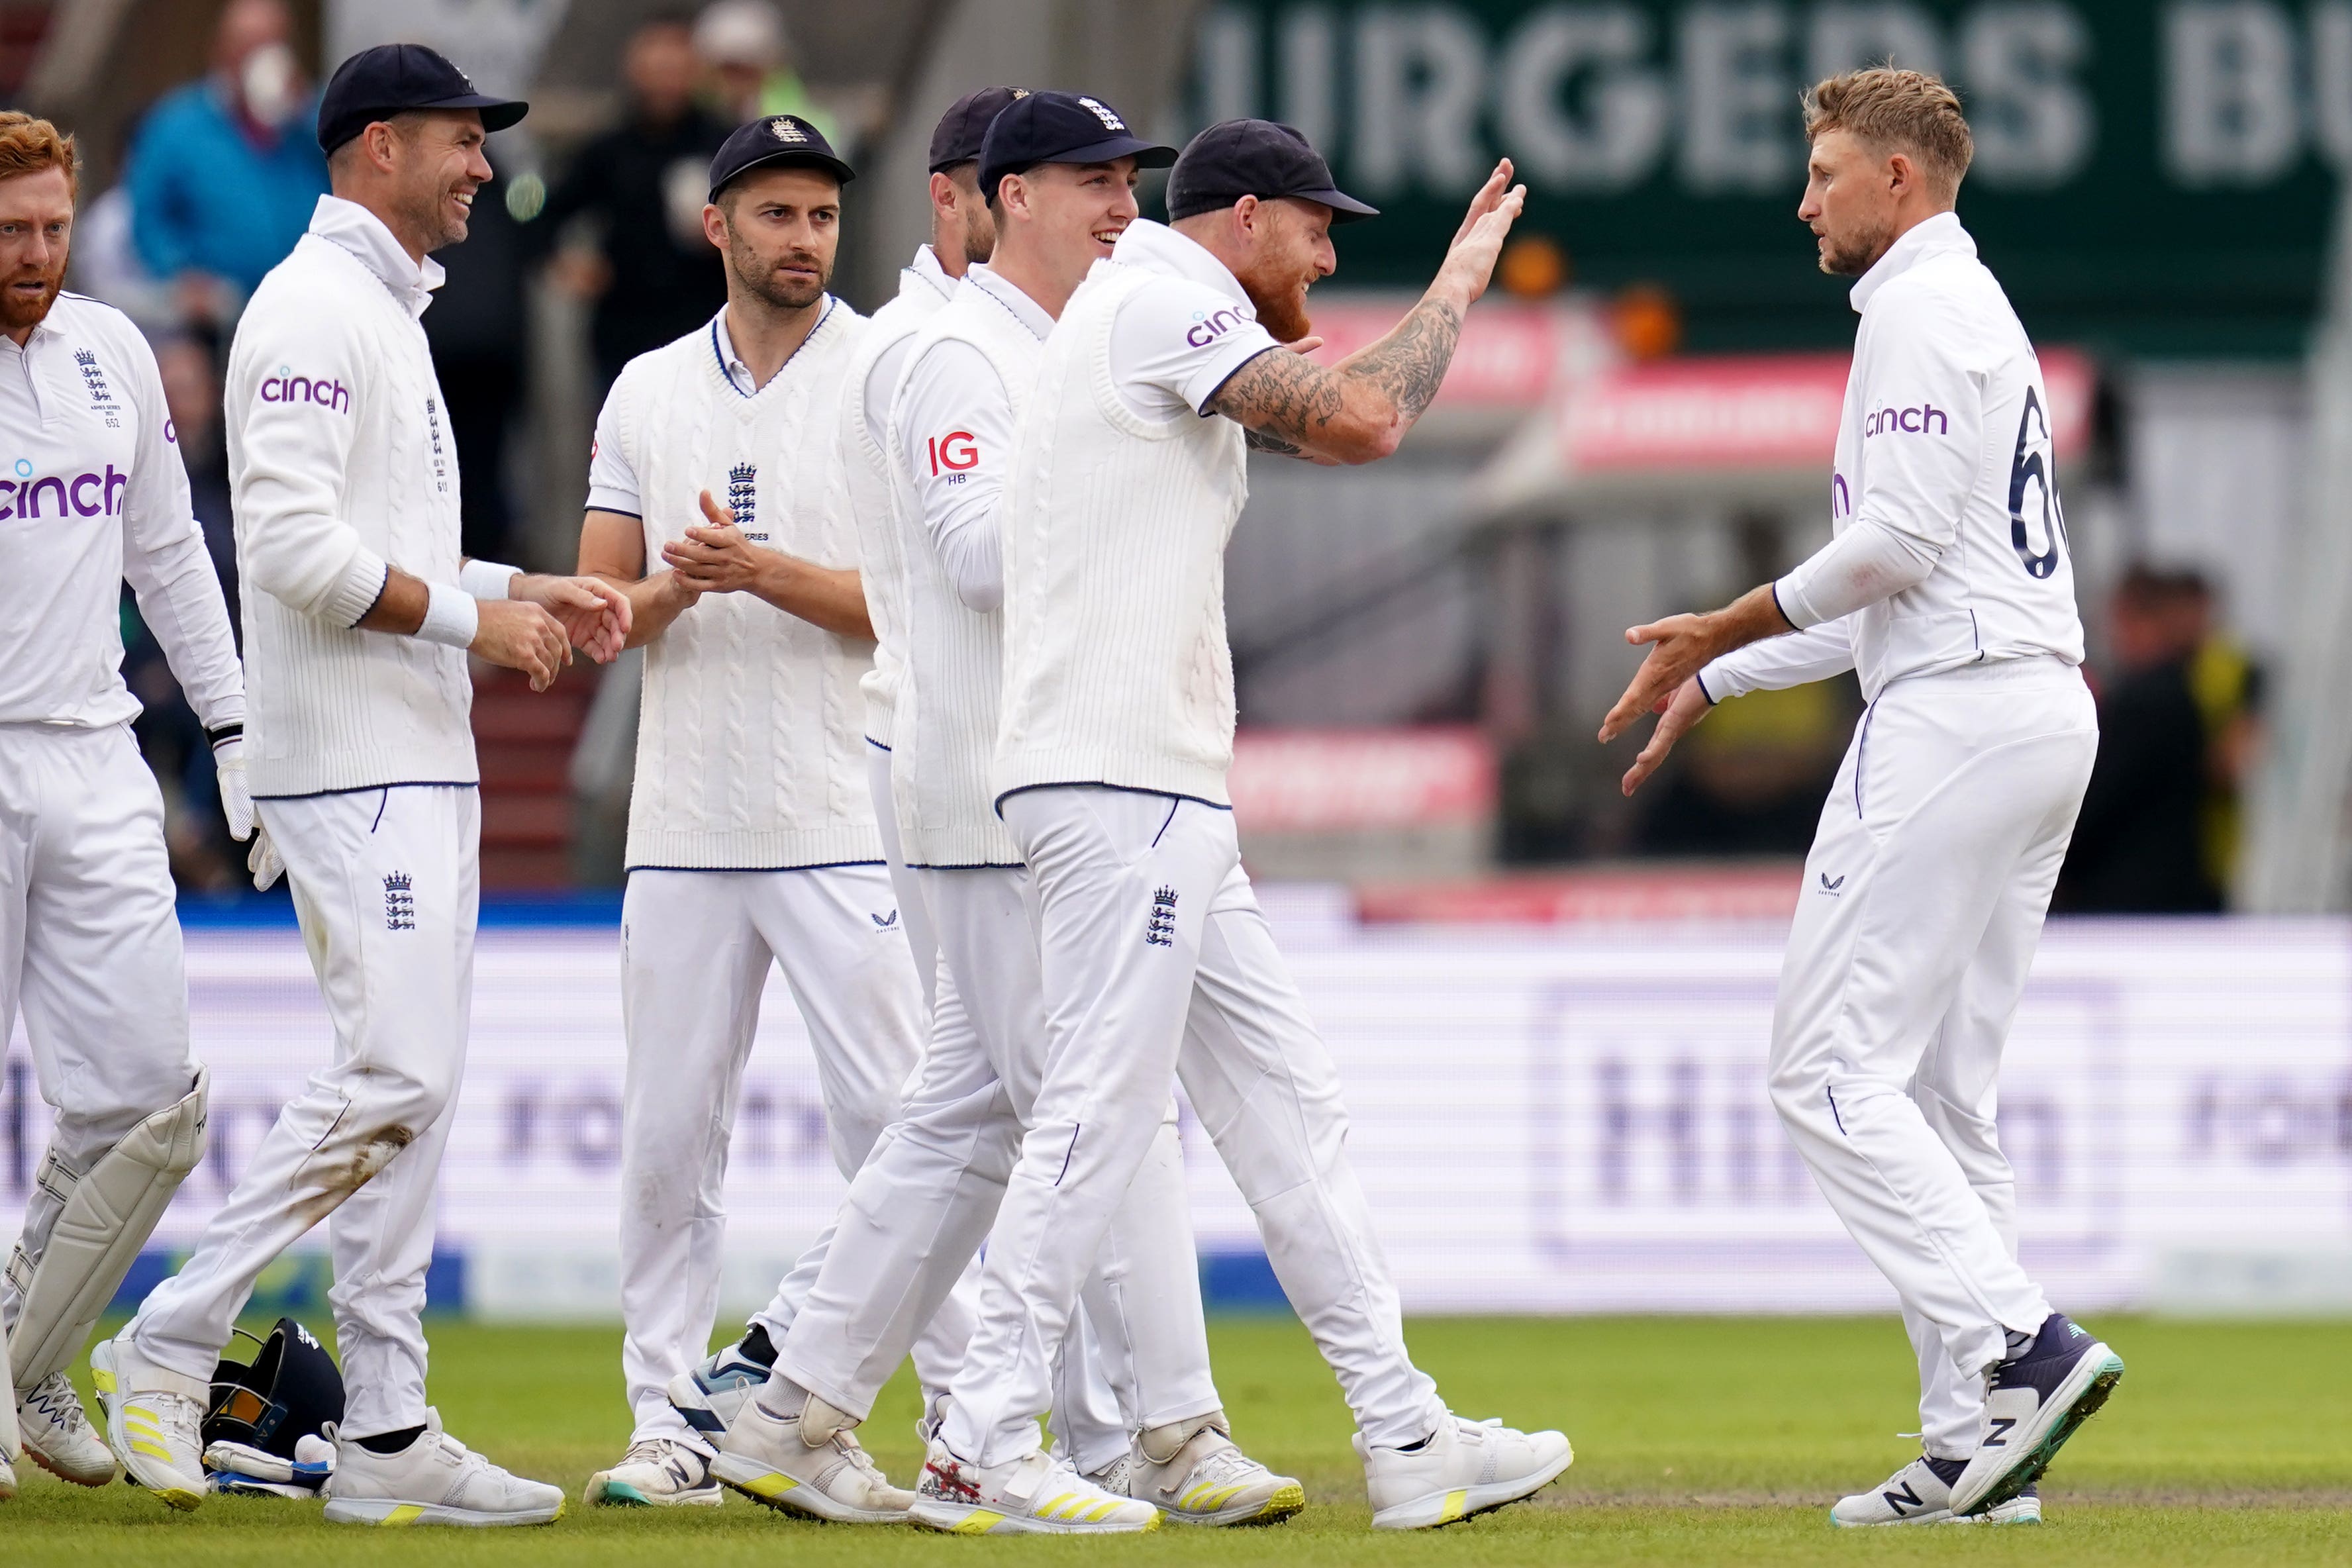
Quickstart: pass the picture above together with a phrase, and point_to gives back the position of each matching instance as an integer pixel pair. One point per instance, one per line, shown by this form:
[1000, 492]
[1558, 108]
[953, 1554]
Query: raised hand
[1478, 242]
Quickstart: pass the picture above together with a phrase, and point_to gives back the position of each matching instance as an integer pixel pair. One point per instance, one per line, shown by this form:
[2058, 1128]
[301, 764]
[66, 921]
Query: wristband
[451, 617]
[487, 579]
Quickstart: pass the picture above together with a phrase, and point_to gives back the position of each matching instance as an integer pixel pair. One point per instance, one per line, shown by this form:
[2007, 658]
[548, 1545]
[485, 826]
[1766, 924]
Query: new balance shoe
[807, 1463]
[2034, 1402]
[712, 1394]
[1462, 1469]
[58, 1438]
[1034, 1495]
[152, 1418]
[659, 1472]
[1194, 1473]
[436, 1479]
[1921, 1493]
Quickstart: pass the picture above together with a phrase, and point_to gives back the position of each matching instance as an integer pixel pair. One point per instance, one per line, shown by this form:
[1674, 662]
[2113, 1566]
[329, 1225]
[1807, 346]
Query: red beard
[16, 312]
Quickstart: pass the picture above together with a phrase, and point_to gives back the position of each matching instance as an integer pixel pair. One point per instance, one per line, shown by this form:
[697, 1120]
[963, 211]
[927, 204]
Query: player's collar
[926, 270]
[1027, 312]
[1159, 248]
[353, 229]
[1939, 236]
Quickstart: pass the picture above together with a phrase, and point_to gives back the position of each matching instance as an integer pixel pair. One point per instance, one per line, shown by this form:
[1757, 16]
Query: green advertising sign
[2149, 178]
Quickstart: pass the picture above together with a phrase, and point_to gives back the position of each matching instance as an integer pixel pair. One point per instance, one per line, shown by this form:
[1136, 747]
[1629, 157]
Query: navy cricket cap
[1261, 158]
[775, 139]
[1060, 128]
[389, 78]
[961, 129]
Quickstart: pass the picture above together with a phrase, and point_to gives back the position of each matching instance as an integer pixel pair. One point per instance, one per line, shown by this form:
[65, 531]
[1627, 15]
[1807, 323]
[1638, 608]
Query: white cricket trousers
[919, 1212]
[386, 884]
[1923, 901]
[696, 948]
[90, 947]
[1156, 959]
[921, 945]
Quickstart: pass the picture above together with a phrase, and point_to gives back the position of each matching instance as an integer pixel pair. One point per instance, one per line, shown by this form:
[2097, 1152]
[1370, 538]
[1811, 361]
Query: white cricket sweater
[750, 754]
[341, 459]
[947, 698]
[1115, 666]
[923, 290]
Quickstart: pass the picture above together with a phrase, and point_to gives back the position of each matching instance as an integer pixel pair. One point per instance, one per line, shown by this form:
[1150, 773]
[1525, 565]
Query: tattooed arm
[1358, 410]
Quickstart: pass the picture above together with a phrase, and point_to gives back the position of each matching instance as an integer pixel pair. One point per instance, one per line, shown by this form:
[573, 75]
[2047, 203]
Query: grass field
[1699, 1441]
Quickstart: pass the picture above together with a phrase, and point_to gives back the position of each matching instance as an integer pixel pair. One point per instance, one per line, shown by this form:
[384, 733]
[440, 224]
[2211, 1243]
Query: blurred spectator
[653, 275]
[192, 389]
[225, 172]
[750, 56]
[2177, 730]
[477, 329]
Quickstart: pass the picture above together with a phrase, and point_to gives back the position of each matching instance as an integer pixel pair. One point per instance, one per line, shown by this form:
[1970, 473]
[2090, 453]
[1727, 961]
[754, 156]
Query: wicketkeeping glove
[237, 804]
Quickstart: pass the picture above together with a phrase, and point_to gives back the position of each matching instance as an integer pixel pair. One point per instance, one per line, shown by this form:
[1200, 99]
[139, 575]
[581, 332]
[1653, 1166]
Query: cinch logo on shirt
[1910, 421]
[954, 451]
[83, 494]
[1208, 328]
[287, 387]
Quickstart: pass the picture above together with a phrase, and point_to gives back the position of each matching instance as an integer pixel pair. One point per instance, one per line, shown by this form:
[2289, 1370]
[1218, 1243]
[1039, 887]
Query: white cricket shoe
[1032, 1495]
[1921, 1493]
[711, 1394]
[1193, 1472]
[58, 1438]
[1465, 1468]
[810, 1463]
[436, 1479]
[153, 1415]
[1118, 1478]
[7, 1480]
[659, 1472]
[2034, 1401]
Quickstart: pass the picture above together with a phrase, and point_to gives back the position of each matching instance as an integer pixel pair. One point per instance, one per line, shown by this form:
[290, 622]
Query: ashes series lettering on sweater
[751, 745]
[339, 462]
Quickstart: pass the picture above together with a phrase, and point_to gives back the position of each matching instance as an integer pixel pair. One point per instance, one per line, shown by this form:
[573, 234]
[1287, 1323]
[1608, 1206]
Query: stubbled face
[977, 224]
[437, 164]
[1289, 252]
[780, 230]
[1849, 204]
[36, 214]
[1071, 214]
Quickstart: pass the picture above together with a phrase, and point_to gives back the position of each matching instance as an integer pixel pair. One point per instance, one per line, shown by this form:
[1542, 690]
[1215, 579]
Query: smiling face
[37, 213]
[1289, 250]
[434, 162]
[1068, 215]
[780, 228]
[1853, 196]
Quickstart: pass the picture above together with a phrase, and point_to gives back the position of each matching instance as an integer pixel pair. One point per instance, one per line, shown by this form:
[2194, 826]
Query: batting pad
[108, 1217]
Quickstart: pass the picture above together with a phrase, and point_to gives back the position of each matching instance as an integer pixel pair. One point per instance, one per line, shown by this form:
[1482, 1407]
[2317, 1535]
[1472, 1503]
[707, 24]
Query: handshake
[536, 627]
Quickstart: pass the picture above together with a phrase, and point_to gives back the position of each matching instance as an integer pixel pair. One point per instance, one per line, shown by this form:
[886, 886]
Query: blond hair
[1897, 111]
[28, 145]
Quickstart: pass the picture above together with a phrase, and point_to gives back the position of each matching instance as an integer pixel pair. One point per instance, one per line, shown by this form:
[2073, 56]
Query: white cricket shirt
[92, 491]
[1949, 547]
[750, 748]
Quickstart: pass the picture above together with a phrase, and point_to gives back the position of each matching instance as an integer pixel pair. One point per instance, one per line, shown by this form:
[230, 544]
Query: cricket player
[1062, 167]
[1949, 591]
[359, 613]
[88, 941]
[752, 838]
[1114, 734]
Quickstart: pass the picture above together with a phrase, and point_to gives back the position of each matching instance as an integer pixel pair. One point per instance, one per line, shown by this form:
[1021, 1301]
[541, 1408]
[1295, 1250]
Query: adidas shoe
[58, 1438]
[659, 1472]
[1921, 1493]
[1194, 1473]
[436, 1479]
[1118, 1478]
[1462, 1469]
[712, 1396]
[1032, 1495]
[808, 1463]
[153, 1416]
[2034, 1402]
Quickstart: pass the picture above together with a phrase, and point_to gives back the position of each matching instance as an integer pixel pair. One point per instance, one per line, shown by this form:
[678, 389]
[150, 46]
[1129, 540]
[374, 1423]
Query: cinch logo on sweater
[1208, 328]
[1910, 421]
[287, 387]
[83, 494]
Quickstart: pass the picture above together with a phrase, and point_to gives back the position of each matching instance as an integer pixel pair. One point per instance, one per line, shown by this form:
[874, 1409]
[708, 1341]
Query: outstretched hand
[1676, 716]
[1680, 647]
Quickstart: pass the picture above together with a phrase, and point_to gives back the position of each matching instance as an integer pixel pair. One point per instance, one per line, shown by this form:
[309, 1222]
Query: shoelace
[664, 1454]
[55, 1400]
[176, 1416]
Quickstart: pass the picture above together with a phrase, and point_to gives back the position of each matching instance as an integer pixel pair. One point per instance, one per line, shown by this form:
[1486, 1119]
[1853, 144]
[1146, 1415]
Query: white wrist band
[487, 579]
[450, 616]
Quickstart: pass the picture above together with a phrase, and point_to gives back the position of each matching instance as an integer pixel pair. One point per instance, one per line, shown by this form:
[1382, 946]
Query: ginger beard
[39, 207]
[1284, 264]
[28, 292]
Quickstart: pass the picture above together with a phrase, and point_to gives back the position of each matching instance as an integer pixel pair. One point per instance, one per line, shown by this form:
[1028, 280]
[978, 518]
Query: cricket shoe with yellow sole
[1194, 1473]
[436, 1479]
[808, 1463]
[1032, 1495]
[1462, 1469]
[154, 1415]
[658, 1472]
[58, 1438]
